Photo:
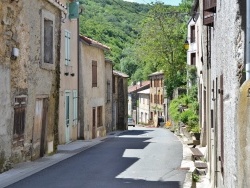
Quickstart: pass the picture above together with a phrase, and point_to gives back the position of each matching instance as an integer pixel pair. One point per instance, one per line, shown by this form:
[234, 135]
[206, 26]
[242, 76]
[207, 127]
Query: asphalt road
[138, 158]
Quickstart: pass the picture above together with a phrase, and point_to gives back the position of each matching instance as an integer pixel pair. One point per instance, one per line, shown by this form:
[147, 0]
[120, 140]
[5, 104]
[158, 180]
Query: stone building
[224, 90]
[120, 101]
[156, 96]
[93, 88]
[29, 67]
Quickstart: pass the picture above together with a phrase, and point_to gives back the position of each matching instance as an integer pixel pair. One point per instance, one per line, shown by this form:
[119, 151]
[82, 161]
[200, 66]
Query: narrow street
[139, 157]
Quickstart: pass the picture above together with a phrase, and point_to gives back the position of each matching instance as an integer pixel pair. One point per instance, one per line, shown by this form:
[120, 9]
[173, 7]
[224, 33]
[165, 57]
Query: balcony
[209, 8]
[209, 5]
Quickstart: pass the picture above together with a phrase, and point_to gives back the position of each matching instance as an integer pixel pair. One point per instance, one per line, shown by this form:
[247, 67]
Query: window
[99, 116]
[192, 33]
[113, 81]
[67, 108]
[47, 40]
[94, 73]
[19, 119]
[193, 59]
[151, 83]
[75, 110]
[108, 91]
[67, 47]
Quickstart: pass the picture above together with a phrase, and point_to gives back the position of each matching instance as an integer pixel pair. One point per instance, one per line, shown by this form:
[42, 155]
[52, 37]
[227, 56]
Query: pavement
[23, 170]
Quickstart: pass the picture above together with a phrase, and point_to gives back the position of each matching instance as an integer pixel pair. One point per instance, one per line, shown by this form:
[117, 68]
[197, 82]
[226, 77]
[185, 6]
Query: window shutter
[94, 73]
[75, 99]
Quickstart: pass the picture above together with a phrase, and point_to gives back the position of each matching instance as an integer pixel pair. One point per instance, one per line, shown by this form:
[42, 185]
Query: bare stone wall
[21, 28]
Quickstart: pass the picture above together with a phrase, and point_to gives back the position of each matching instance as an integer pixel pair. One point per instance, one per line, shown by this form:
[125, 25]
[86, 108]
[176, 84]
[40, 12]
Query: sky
[167, 2]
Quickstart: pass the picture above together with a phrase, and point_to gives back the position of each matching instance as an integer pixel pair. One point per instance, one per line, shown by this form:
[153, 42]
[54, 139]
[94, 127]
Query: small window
[113, 81]
[47, 40]
[108, 91]
[94, 73]
[192, 32]
[193, 59]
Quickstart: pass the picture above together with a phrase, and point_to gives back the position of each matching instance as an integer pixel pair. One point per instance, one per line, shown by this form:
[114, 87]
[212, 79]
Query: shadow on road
[96, 167]
[135, 132]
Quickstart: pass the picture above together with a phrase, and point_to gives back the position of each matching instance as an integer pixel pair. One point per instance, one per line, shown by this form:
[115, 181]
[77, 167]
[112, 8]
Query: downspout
[247, 43]
[78, 85]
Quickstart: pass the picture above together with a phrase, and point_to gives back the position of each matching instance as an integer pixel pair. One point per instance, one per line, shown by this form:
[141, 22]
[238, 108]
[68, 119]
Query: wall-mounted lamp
[186, 44]
[14, 53]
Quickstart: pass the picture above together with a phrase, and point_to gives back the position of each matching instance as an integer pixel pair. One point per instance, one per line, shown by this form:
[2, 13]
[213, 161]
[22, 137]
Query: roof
[134, 88]
[156, 73]
[117, 73]
[146, 91]
[94, 43]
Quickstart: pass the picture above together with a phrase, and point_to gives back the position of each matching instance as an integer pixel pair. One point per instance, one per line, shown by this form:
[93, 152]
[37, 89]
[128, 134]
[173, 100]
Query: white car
[131, 122]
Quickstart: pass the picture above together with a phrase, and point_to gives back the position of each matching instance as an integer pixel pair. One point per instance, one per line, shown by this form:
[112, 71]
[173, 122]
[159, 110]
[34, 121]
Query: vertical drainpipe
[248, 42]
[78, 84]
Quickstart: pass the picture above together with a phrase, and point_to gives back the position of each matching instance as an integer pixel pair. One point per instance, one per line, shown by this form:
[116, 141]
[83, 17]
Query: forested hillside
[112, 22]
[143, 38]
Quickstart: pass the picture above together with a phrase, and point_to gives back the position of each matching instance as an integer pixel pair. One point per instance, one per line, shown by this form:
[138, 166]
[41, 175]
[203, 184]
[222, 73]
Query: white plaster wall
[144, 107]
[227, 48]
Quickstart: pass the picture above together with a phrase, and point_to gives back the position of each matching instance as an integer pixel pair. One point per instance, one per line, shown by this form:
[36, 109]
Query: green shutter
[74, 10]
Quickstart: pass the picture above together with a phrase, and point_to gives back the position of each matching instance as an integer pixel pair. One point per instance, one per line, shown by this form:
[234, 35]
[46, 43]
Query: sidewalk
[23, 170]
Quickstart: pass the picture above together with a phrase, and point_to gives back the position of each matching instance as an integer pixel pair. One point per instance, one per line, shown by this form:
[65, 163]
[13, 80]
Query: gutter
[247, 41]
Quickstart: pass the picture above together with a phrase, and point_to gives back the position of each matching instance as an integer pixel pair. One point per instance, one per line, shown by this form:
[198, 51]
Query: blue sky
[168, 2]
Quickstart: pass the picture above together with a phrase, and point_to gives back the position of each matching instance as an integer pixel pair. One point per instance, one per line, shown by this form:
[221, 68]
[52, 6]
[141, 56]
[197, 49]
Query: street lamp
[186, 44]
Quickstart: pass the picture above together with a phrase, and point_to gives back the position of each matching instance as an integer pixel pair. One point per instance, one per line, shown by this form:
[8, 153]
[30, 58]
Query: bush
[185, 116]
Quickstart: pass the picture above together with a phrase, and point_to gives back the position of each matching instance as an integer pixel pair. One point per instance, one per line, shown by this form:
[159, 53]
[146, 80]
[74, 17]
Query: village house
[29, 66]
[133, 97]
[144, 107]
[93, 88]
[68, 93]
[224, 89]
[157, 107]
[120, 101]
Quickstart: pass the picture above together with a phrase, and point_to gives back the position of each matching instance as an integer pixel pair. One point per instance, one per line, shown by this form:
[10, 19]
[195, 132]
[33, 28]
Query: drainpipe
[80, 133]
[248, 42]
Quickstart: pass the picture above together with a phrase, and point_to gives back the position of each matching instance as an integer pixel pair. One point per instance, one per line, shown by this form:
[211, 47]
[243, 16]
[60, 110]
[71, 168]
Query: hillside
[113, 23]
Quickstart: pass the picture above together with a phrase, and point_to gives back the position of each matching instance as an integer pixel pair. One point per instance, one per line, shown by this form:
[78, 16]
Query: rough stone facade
[120, 101]
[27, 78]
[223, 59]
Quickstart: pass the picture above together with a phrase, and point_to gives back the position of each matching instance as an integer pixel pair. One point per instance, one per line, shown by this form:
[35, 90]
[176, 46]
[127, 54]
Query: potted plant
[196, 131]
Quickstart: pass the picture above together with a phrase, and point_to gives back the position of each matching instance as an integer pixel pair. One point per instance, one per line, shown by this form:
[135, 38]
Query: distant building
[133, 97]
[144, 106]
[156, 96]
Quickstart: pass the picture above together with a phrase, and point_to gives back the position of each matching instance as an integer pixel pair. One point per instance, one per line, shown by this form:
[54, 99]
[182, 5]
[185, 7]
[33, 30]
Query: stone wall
[21, 28]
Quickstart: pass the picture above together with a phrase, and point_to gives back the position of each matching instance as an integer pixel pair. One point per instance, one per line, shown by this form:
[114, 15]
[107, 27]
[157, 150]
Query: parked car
[131, 122]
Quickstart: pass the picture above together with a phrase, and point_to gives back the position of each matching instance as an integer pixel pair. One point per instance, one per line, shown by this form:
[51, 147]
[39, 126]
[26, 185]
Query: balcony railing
[209, 5]
[209, 8]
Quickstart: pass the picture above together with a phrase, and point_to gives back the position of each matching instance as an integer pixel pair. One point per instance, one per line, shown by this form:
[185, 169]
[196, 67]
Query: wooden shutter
[19, 119]
[75, 99]
[94, 73]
